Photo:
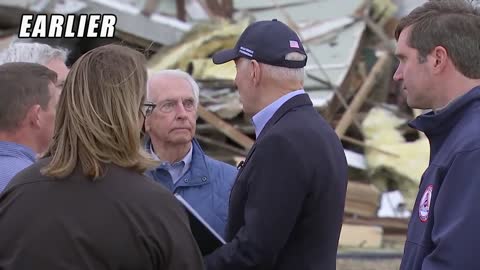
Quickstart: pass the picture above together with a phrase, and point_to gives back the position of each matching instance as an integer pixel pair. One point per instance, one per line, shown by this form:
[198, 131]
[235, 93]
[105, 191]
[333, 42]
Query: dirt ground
[368, 264]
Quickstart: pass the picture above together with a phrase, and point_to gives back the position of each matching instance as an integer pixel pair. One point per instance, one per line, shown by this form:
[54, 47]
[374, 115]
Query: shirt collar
[186, 160]
[261, 118]
[11, 148]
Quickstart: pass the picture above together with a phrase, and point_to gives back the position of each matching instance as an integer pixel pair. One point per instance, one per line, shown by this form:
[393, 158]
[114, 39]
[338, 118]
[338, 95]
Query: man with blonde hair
[286, 207]
[185, 169]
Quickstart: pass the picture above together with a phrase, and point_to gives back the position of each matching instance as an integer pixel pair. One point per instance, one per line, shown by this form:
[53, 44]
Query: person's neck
[20, 137]
[274, 91]
[454, 88]
[170, 152]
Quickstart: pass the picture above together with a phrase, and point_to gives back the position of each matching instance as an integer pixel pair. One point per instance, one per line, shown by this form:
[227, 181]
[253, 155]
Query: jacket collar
[294, 102]
[291, 104]
[198, 173]
[17, 150]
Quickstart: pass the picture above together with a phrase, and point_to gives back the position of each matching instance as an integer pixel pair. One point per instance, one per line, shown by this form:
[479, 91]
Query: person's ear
[33, 116]
[256, 72]
[440, 59]
[146, 124]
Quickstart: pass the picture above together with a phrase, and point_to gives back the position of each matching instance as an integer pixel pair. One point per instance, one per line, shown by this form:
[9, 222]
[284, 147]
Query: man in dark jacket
[438, 48]
[287, 203]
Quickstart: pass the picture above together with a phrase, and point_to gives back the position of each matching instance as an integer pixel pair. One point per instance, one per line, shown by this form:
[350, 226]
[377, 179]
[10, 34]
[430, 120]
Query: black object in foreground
[207, 238]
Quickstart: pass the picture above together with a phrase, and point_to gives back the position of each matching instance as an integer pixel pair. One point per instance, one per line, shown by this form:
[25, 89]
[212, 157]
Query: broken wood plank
[362, 94]
[399, 225]
[361, 236]
[225, 146]
[181, 11]
[149, 7]
[380, 33]
[223, 8]
[225, 128]
[362, 199]
[365, 145]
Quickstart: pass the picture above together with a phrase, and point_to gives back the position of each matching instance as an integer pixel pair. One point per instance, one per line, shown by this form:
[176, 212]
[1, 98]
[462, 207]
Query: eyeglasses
[169, 105]
[147, 108]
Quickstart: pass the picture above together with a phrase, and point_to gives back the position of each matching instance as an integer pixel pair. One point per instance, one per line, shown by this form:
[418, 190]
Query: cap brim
[224, 56]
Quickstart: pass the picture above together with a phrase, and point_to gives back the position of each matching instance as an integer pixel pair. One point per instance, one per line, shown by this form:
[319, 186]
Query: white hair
[287, 74]
[38, 53]
[177, 74]
[284, 74]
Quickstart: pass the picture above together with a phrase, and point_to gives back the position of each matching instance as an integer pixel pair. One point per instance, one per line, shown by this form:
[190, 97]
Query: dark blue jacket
[206, 186]
[287, 203]
[443, 231]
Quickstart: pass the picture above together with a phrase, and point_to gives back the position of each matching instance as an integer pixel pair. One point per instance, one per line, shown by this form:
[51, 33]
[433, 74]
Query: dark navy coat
[442, 233]
[287, 203]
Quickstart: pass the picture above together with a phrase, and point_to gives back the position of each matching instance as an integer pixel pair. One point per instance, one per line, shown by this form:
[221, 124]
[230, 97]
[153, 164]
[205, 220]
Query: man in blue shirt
[185, 169]
[27, 115]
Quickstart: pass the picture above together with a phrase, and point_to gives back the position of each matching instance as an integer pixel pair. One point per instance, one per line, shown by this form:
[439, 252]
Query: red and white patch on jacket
[425, 202]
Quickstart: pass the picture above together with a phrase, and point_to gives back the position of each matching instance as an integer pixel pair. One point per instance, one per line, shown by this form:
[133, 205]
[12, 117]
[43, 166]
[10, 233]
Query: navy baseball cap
[267, 42]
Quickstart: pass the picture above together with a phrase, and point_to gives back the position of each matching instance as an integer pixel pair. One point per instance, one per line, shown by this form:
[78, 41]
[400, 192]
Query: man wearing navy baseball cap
[286, 206]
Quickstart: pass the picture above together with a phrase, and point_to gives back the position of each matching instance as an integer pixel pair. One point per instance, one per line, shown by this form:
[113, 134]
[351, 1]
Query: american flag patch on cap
[294, 44]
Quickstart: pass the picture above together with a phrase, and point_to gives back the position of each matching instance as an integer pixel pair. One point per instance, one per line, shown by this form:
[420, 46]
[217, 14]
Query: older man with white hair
[39, 53]
[286, 208]
[185, 169]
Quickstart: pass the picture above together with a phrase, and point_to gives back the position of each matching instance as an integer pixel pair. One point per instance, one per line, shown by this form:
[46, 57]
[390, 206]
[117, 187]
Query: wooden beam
[149, 7]
[181, 11]
[225, 128]
[222, 8]
[222, 145]
[380, 33]
[362, 94]
[364, 145]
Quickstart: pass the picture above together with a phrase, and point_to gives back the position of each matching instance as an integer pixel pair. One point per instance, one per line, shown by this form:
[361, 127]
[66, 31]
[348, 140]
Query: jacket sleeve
[277, 186]
[457, 216]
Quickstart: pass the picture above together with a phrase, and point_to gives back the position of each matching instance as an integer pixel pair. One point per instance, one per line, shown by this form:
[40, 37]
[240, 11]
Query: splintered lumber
[225, 146]
[362, 199]
[222, 8]
[365, 145]
[225, 128]
[181, 12]
[149, 7]
[394, 240]
[362, 94]
[361, 236]
[391, 225]
[200, 42]
[380, 33]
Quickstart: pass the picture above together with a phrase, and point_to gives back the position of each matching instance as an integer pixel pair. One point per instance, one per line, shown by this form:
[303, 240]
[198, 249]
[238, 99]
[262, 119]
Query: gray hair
[181, 75]
[38, 53]
[286, 74]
